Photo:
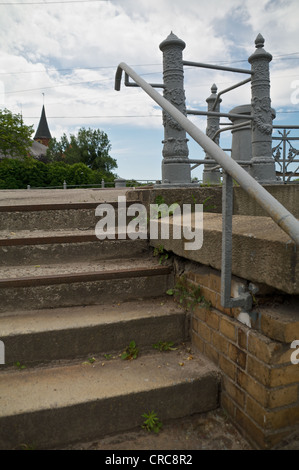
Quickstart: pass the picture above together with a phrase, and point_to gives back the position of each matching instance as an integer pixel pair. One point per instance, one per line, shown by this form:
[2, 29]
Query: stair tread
[102, 266]
[54, 319]
[24, 234]
[31, 390]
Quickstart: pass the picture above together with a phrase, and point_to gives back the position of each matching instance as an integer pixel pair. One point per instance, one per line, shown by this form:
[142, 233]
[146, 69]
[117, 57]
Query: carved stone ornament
[175, 148]
[168, 121]
[176, 96]
[262, 119]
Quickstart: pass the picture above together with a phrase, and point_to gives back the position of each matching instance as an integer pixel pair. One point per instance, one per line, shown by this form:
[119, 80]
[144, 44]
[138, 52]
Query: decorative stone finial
[214, 89]
[259, 41]
[173, 40]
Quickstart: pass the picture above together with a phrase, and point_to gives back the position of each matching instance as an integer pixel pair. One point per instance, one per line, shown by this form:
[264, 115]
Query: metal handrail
[281, 216]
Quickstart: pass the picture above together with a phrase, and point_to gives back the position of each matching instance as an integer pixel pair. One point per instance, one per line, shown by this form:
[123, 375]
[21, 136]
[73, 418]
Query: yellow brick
[273, 419]
[227, 367]
[197, 342]
[243, 333]
[228, 405]
[211, 353]
[253, 431]
[202, 279]
[200, 312]
[228, 328]
[212, 319]
[204, 331]
[252, 387]
[194, 324]
[263, 348]
[209, 295]
[236, 394]
[283, 396]
[259, 370]
[285, 375]
[227, 311]
[220, 342]
[237, 355]
[215, 282]
[256, 412]
[279, 329]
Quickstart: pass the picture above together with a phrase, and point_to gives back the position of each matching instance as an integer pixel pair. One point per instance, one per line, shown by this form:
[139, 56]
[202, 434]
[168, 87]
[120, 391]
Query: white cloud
[38, 41]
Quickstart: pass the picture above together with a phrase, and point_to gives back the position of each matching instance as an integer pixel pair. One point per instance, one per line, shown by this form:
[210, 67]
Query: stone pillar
[175, 141]
[241, 138]
[263, 165]
[212, 176]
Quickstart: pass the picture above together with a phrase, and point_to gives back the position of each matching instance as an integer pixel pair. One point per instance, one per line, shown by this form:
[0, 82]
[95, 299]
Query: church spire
[43, 134]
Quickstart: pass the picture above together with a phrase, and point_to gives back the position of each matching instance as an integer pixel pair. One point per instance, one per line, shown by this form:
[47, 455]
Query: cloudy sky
[65, 54]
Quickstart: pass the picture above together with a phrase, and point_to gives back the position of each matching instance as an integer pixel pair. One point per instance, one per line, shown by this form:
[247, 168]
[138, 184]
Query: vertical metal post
[227, 218]
[244, 298]
[263, 165]
[213, 125]
[175, 141]
[284, 156]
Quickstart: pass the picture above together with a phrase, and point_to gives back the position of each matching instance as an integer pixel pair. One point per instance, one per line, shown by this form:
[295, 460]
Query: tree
[90, 147]
[15, 136]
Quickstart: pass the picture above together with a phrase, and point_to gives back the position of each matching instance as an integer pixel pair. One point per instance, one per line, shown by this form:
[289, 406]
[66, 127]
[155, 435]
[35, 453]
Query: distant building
[39, 147]
[43, 135]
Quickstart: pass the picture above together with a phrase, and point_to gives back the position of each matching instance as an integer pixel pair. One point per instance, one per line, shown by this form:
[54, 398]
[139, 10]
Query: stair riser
[57, 426]
[86, 342]
[52, 219]
[82, 293]
[56, 253]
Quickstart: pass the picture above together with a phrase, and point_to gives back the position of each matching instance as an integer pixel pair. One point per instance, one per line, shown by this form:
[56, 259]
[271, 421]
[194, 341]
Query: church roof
[43, 131]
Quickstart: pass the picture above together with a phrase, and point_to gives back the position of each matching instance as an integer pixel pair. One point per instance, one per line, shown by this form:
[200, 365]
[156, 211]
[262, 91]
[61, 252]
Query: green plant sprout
[131, 352]
[184, 292]
[159, 251]
[164, 346]
[151, 422]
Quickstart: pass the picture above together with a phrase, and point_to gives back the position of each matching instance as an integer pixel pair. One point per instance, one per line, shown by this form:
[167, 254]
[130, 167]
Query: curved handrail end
[118, 76]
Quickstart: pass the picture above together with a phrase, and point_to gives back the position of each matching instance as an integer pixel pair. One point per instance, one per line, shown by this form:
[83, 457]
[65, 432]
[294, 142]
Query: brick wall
[259, 382]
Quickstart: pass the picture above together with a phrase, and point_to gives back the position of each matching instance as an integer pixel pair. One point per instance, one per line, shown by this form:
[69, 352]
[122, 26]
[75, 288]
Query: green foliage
[187, 294]
[131, 352]
[151, 422]
[90, 147]
[17, 174]
[159, 251]
[164, 346]
[19, 365]
[15, 136]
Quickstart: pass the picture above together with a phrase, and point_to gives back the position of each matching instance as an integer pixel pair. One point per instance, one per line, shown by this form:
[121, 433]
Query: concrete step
[40, 336]
[58, 405]
[70, 284]
[261, 251]
[52, 247]
[57, 216]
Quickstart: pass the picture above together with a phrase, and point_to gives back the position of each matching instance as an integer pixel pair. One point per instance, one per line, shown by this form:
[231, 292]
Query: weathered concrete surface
[261, 252]
[286, 194]
[51, 406]
[15, 197]
[81, 289]
[39, 247]
[64, 333]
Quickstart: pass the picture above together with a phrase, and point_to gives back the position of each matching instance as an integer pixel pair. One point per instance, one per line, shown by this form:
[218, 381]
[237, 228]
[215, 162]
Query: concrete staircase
[69, 306]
